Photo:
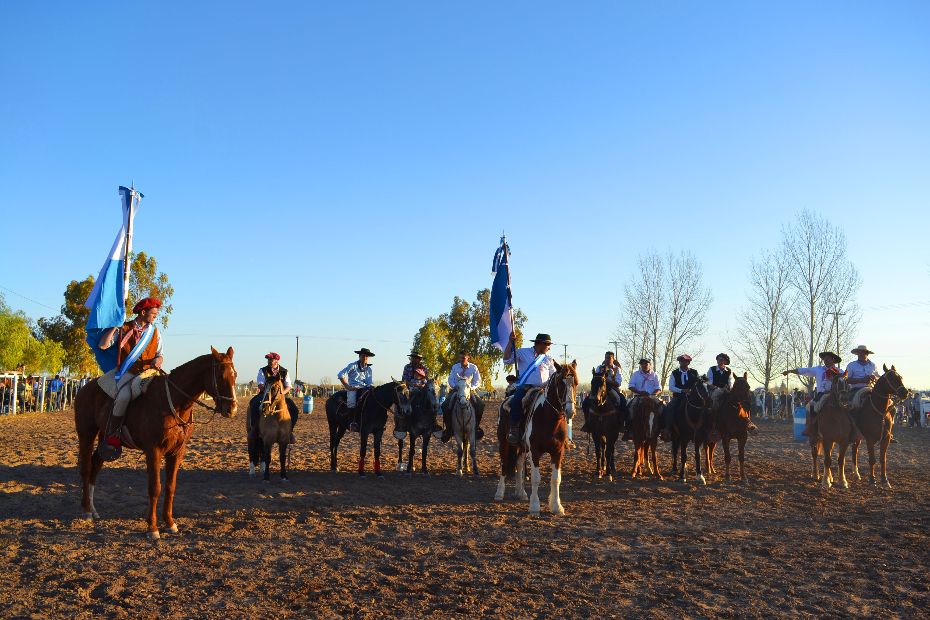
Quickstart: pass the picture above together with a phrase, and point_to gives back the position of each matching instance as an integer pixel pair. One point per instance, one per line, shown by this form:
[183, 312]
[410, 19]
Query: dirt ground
[335, 545]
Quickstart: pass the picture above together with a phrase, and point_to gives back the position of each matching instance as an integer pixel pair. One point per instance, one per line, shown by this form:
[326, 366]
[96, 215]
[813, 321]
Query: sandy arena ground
[334, 545]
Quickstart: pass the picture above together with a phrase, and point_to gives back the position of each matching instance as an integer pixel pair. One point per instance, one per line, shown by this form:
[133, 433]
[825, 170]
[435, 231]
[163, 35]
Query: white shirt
[471, 374]
[525, 359]
[644, 381]
[612, 372]
[820, 373]
[261, 380]
[712, 371]
[860, 370]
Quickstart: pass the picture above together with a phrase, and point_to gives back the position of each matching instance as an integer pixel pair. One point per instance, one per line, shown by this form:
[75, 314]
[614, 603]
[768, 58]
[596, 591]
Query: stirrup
[110, 448]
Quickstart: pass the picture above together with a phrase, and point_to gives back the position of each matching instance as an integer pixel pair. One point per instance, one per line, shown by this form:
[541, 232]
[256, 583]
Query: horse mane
[190, 364]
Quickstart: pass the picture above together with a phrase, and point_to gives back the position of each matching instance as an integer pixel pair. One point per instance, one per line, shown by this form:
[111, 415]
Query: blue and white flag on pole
[107, 301]
[501, 301]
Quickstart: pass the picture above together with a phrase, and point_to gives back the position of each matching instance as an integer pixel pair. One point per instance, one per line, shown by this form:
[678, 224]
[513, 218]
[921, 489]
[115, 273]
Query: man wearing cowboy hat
[610, 370]
[139, 354]
[824, 376]
[416, 375]
[274, 372]
[356, 377]
[644, 382]
[862, 371]
[470, 374]
[680, 382]
[535, 366]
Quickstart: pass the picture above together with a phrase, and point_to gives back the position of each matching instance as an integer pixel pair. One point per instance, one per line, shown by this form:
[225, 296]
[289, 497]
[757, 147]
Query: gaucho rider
[472, 376]
[861, 371]
[610, 370]
[535, 366]
[356, 377]
[643, 384]
[416, 375]
[682, 380]
[271, 373]
[824, 376]
[139, 355]
[719, 382]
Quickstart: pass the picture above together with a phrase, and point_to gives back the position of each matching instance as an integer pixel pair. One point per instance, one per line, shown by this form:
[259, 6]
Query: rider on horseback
[535, 366]
[862, 371]
[139, 355]
[719, 382]
[680, 383]
[416, 376]
[824, 376]
[611, 371]
[356, 377]
[470, 374]
[274, 372]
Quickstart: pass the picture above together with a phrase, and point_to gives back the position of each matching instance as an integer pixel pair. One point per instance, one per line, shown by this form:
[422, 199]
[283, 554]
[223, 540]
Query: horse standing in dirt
[833, 425]
[274, 427]
[159, 423]
[372, 406]
[731, 421]
[423, 407]
[604, 421]
[645, 428]
[873, 414]
[545, 432]
[464, 427]
[690, 426]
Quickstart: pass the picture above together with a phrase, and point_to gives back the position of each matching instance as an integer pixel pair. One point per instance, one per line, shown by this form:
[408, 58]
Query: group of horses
[161, 421]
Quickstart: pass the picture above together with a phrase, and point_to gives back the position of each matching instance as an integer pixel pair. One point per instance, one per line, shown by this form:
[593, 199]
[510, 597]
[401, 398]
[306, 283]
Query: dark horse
[690, 425]
[423, 406]
[875, 417]
[545, 432]
[159, 422]
[731, 421]
[373, 406]
[603, 419]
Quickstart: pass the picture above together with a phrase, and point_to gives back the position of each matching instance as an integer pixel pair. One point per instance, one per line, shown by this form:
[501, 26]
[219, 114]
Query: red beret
[145, 304]
[273, 356]
[684, 358]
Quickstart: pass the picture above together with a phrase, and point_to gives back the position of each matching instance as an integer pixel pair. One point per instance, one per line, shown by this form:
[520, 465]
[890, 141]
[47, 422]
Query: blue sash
[136, 351]
[533, 366]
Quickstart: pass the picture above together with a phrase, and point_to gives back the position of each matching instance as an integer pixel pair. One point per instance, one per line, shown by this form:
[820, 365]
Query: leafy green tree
[466, 327]
[146, 281]
[20, 347]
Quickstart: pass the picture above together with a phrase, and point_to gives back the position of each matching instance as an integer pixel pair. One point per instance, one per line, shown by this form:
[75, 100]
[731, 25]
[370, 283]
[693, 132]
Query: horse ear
[229, 352]
[746, 376]
[558, 366]
[885, 367]
[593, 371]
[574, 363]
[215, 353]
[893, 368]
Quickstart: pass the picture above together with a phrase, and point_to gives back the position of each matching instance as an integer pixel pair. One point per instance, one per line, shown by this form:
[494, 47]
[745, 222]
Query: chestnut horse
[159, 422]
[603, 419]
[545, 432]
[645, 428]
[875, 418]
[833, 425]
[274, 427]
[731, 421]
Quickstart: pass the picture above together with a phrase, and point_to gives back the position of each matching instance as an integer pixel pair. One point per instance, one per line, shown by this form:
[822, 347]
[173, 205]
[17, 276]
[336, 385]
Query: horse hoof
[284, 480]
[701, 479]
[559, 511]
[88, 516]
[154, 535]
[844, 484]
[886, 484]
[475, 474]
[173, 529]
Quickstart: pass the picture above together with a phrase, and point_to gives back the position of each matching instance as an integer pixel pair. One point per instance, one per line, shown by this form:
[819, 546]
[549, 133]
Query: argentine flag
[501, 302]
[107, 301]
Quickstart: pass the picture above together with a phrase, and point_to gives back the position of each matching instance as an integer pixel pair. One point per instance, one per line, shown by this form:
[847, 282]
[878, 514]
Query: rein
[169, 384]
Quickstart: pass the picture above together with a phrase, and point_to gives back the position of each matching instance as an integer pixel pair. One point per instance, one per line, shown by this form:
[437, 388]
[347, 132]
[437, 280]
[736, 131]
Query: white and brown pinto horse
[545, 432]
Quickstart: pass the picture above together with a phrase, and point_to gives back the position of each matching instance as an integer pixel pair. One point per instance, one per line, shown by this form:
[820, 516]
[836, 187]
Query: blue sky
[342, 170]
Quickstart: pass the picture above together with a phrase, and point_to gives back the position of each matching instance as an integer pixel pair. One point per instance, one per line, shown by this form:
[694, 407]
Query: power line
[9, 290]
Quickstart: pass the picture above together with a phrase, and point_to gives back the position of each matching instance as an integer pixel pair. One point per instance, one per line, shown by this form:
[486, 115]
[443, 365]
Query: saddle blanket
[860, 397]
[139, 384]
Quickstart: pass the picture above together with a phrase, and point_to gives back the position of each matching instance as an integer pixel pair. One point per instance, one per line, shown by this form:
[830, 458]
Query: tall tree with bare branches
[825, 282]
[664, 310]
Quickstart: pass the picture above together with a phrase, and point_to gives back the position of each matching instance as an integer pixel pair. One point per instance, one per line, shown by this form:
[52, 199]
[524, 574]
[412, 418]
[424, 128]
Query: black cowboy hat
[543, 338]
[836, 358]
[365, 351]
[413, 353]
[726, 358]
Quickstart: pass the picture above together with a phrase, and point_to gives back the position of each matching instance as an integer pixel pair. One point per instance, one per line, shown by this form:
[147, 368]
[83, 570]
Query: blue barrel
[308, 403]
[800, 415]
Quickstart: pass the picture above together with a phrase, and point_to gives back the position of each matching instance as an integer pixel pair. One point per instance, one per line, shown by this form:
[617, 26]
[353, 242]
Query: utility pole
[615, 343]
[836, 328]
[565, 353]
[296, 358]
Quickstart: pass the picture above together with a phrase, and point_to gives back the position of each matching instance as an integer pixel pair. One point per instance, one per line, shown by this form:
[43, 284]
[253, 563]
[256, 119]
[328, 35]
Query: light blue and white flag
[107, 300]
[501, 301]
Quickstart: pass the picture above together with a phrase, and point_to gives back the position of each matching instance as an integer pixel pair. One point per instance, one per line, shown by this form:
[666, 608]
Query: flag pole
[513, 326]
[127, 241]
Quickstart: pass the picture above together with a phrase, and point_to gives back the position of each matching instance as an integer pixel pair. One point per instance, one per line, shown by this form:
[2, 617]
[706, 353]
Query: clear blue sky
[342, 170]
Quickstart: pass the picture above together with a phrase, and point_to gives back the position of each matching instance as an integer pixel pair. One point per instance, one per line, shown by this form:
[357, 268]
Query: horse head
[402, 397]
[463, 391]
[740, 392]
[270, 403]
[895, 383]
[598, 388]
[840, 390]
[430, 390]
[567, 375]
[221, 384]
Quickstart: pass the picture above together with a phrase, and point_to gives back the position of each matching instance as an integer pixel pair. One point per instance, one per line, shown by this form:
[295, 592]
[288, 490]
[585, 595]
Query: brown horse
[875, 418]
[545, 432]
[646, 426]
[159, 423]
[731, 421]
[274, 427]
[833, 425]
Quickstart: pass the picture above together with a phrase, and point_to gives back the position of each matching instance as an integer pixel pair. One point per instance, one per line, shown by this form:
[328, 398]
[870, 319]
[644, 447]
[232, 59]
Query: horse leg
[855, 458]
[827, 480]
[152, 466]
[266, 460]
[172, 465]
[683, 453]
[871, 448]
[883, 459]
[335, 436]
[473, 450]
[841, 464]
[698, 473]
[727, 457]
[520, 478]
[502, 483]
[282, 457]
[424, 444]
[655, 459]
[815, 450]
[376, 438]
[534, 483]
[90, 465]
[458, 455]
[400, 453]
[741, 445]
[362, 448]
[611, 466]
[411, 448]
[555, 502]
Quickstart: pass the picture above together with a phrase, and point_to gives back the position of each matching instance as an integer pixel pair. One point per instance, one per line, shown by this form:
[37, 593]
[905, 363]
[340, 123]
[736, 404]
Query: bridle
[890, 395]
[267, 399]
[216, 395]
[398, 391]
[568, 403]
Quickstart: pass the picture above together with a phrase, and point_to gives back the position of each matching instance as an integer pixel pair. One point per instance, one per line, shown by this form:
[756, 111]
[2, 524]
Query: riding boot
[111, 447]
[446, 423]
[479, 413]
[353, 425]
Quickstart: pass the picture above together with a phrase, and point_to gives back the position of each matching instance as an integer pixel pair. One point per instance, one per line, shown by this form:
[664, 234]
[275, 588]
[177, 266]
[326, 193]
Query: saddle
[860, 398]
[139, 385]
[530, 399]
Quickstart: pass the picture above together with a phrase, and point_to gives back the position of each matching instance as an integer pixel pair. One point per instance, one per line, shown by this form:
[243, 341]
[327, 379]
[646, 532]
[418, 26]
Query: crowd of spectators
[30, 393]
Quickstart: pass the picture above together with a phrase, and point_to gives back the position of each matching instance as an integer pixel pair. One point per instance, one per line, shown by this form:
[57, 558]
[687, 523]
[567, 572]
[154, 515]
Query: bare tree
[761, 339]
[825, 282]
[664, 311]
